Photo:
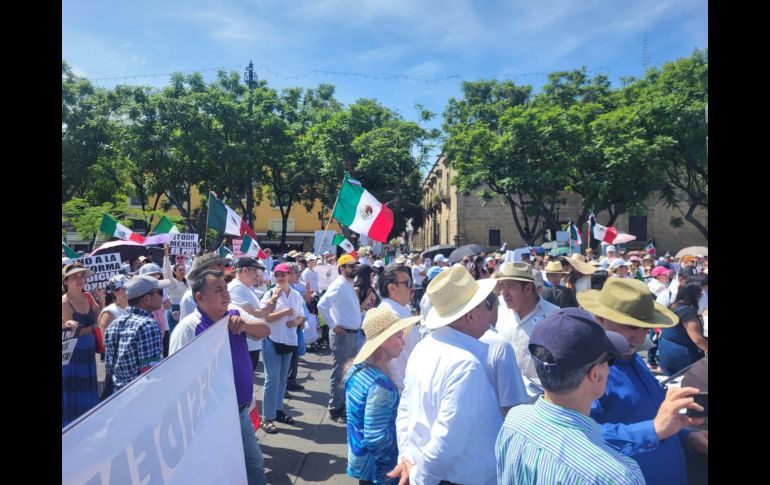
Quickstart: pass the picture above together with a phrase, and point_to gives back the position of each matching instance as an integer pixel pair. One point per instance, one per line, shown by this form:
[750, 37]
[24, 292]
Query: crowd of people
[487, 370]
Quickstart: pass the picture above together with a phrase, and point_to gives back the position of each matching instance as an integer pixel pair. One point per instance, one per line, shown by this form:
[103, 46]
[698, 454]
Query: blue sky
[521, 40]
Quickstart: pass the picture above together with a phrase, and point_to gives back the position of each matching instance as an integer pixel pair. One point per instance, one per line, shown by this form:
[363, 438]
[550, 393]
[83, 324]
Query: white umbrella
[623, 238]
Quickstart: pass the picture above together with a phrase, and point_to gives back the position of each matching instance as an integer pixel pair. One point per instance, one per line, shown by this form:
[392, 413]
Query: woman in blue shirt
[683, 344]
[372, 398]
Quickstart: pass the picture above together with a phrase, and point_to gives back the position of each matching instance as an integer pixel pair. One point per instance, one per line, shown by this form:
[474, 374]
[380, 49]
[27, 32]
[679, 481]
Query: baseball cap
[574, 339]
[439, 258]
[618, 263]
[379, 264]
[150, 268]
[248, 262]
[345, 259]
[140, 285]
[433, 271]
[610, 248]
[659, 270]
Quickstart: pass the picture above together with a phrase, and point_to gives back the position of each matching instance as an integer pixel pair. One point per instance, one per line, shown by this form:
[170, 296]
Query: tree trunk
[284, 218]
[695, 222]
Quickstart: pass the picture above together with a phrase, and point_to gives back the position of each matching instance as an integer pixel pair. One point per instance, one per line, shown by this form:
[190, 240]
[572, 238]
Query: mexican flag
[650, 248]
[224, 251]
[165, 226]
[602, 233]
[341, 241]
[361, 212]
[68, 251]
[114, 228]
[250, 247]
[574, 235]
[224, 220]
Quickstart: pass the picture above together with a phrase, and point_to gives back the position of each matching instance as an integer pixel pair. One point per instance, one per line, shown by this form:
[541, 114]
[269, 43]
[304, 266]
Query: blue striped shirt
[545, 443]
[371, 399]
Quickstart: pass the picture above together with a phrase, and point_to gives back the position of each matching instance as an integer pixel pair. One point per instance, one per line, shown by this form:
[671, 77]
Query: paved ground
[314, 449]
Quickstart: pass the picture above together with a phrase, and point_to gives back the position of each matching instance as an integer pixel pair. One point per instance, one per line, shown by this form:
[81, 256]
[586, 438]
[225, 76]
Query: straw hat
[628, 302]
[578, 261]
[72, 268]
[401, 259]
[202, 263]
[554, 267]
[518, 271]
[454, 293]
[379, 325]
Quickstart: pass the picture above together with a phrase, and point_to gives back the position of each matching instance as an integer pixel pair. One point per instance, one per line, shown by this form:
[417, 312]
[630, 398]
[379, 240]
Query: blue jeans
[255, 463]
[276, 377]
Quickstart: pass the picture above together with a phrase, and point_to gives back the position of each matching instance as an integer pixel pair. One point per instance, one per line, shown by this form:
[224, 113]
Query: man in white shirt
[396, 291]
[523, 309]
[340, 310]
[242, 294]
[418, 275]
[308, 274]
[448, 418]
[269, 262]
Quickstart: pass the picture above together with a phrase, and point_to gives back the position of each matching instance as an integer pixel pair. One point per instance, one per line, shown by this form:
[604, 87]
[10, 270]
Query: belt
[245, 406]
[350, 331]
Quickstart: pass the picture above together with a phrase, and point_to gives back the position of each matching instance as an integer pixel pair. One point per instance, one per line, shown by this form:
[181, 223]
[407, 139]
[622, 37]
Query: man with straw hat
[637, 415]
[372, 399]
[557, 294]
[580, 272]
[555, 440]
[340, 310]
[523, 309]
[448, 417]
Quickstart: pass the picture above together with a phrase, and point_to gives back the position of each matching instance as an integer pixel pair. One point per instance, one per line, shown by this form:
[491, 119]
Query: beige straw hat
[454, 293]
[554, 267]
[628, 302]
[379, 325]
[518, 271]
[578, 261]
[72, 268]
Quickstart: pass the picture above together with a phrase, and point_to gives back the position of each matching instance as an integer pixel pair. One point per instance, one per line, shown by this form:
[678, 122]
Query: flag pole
[323, 236]
[589, 231]
[569, 236]
[206, 233]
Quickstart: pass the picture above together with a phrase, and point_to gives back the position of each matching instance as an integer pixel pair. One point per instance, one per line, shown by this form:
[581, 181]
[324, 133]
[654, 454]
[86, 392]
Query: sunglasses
[407, 283]
[350, 265]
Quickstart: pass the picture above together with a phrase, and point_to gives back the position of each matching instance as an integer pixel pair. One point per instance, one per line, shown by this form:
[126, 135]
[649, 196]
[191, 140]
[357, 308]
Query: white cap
[379, 264]
[439, 258]
[610, 248]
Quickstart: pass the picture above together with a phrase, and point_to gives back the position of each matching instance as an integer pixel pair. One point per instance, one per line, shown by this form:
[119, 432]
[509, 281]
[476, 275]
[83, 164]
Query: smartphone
[701, 398]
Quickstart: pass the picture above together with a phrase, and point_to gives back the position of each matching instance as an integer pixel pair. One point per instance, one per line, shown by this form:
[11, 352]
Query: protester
[448, 416]
[78, 314]
[579, 278]
[362, 285]
[598, 279]
[684, 343]
[372, 398]
[419, 270]
[379, 268]
[278, 347]
[557, 294]
[638, 417]
[213, 305]
[117, 301]
[307, 295]
[340, 309]
[308, 274]
[555, 440]
[478, 270]
[178, 286]
[155, 271]
[203, 262]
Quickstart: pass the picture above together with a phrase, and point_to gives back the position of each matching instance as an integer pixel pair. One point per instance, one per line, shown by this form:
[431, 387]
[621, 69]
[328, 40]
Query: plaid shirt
[139, 343]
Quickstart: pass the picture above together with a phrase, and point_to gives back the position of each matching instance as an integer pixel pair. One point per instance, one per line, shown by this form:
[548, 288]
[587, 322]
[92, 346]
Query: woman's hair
[598, 279]
[363, 281]
[478, 268]
[689, 294]
[173, 274]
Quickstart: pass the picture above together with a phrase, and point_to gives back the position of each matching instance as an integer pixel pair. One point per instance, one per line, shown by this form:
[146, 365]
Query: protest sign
[69, 340]
[183, 243]
[104, 266]
[237, 248]
[326, 237]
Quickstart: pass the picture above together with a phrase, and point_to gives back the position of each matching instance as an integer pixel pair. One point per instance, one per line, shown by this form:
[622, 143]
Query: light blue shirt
[339, 305]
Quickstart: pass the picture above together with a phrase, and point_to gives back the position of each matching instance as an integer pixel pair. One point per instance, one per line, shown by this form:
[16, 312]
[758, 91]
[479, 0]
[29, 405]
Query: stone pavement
[314, 449]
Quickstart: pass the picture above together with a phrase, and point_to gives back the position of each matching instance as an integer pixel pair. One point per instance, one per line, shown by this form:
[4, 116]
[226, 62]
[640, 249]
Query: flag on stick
[114, 228]
[361, 212]
[341, 241]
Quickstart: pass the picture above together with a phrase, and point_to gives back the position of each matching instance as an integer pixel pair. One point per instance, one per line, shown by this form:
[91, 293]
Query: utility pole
[251, 80]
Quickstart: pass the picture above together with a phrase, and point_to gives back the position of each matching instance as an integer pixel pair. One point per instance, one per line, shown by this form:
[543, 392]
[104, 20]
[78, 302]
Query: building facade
[456, 219]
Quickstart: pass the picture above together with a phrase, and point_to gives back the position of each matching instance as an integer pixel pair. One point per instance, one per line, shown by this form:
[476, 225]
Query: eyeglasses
[407, 283]
[278, 274]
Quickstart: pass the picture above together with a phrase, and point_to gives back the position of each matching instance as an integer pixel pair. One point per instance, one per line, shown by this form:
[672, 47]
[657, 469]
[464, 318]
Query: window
[275, 224]
[134, 202]
[637, 225]
[494, 237]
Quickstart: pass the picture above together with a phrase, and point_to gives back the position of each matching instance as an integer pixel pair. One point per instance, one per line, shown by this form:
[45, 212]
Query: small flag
[114, 228]
[68, 251]
[650, 248]
[224, 251]
[165, 226]
[341, 241]
[361, 212]
[250, 247]
[574, 235]
[602, 233]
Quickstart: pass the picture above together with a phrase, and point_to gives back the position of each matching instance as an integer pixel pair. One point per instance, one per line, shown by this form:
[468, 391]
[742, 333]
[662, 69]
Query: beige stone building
[455, 219]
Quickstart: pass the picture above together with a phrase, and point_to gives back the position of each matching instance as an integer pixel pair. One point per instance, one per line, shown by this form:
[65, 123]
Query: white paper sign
[176, 424]
[104, 266]
[327, 242]
[68, 344]
[183, 243]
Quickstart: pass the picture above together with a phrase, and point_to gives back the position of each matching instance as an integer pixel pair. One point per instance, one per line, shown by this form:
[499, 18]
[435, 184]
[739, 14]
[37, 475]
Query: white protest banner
[69, 340]
[104, 266]
[327, 242]
[183, 243]
[326, 274]
[176, 424]
[237, 248]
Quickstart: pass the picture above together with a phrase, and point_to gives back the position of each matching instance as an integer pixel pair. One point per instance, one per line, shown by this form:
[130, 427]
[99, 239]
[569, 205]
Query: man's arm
[254, 327]
[325, 304]
[149, 346]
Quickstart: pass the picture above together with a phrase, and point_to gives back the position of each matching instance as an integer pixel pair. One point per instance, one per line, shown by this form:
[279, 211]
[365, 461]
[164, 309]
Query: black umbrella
[463, 251]
[445, 249]
[129, 250]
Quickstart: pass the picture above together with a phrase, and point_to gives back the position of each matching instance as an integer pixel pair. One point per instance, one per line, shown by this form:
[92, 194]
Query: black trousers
[293, 365]
[254, 354]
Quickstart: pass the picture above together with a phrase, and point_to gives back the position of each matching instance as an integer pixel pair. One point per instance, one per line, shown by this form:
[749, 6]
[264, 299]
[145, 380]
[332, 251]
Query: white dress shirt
[416, 276]
[187, 304]
[503, 370]
[279, 332]
[310, 276]
[397, 366]
[448, 417]
[241, 295]
[517, 330]
[339, 305]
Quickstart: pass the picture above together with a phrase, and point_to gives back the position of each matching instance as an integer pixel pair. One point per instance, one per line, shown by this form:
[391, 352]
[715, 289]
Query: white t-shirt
[241, 295]
[503, 370]
[416, 276]
[310, 276]
[113, 309]
[279, 332]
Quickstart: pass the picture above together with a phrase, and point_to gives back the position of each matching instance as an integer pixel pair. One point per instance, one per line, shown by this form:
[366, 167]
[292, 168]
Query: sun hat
[618, 263]
[140, 285]
[554, 267]
[72, 268]
[578, 261]
[454, 293]
[202, 262]
[401, 259]
[627, 302]
[379, 325]
[518, 271]
[574, 339]
[345, 259]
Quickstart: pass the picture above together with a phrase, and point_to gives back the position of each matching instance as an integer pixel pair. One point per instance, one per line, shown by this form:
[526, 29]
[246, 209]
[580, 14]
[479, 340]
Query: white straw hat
[379, 325]
[454, 293]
